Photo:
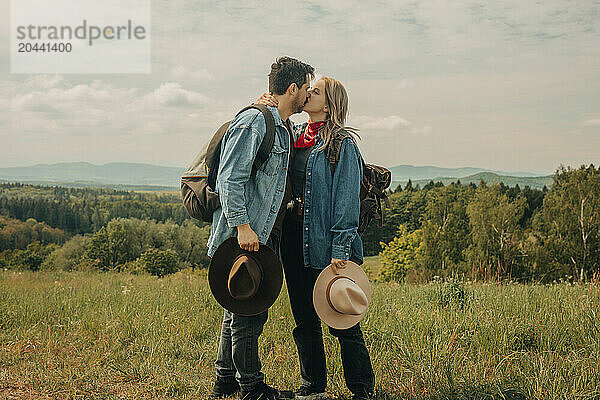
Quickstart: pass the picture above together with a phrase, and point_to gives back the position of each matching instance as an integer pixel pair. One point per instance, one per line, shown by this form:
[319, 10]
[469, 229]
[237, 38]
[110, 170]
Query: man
[251, 209]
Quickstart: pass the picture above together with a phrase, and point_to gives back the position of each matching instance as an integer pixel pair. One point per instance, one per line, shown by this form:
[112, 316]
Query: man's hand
[267, 99]
[247, 239]
[337, 264]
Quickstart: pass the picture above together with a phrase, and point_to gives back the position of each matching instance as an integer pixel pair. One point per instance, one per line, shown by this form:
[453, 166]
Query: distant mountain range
[132, 176]
[406, 172]
[423, 175]
[88, 174]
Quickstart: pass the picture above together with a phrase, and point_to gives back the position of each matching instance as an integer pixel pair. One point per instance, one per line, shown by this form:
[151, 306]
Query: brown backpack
[199, 182]
[374, 182]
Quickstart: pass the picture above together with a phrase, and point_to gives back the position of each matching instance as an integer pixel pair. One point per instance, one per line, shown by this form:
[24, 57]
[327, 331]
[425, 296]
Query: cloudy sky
[508, 85]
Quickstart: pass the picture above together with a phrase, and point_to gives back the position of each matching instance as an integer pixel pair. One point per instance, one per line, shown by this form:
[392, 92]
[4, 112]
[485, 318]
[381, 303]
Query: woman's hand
[337, 264]
[267, 99]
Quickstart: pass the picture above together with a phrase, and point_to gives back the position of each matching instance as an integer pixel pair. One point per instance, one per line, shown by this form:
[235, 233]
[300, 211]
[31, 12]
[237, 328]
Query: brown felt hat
[245, 282]
[342, 300]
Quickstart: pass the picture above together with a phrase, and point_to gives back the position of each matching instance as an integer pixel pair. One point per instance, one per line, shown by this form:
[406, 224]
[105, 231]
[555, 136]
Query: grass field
[371, 265]
[110, 336]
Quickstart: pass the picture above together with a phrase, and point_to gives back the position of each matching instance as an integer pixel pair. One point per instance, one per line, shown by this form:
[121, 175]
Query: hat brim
[326, 313]
[268, 290]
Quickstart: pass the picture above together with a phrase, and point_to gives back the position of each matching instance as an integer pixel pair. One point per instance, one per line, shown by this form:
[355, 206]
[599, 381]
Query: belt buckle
[299, 205]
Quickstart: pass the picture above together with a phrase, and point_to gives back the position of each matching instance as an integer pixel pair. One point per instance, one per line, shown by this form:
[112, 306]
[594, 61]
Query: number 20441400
[45, 47]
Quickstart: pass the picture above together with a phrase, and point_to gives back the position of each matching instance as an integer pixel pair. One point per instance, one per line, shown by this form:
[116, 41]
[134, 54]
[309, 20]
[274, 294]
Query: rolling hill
[405, 172]
[135, 176]
[87, 174]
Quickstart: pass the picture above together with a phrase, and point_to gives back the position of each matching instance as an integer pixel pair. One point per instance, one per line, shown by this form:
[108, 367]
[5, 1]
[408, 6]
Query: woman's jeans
[300, 280]
[237, 356]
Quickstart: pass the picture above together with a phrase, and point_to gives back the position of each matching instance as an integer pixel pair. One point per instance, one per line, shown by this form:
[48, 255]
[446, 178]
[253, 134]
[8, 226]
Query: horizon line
[183, 167]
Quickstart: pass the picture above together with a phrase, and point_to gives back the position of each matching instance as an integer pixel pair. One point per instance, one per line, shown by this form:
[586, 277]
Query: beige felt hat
[341, 301]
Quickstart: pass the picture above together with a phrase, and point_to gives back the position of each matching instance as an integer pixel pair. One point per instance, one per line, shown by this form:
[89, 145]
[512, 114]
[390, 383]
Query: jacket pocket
[275, 161]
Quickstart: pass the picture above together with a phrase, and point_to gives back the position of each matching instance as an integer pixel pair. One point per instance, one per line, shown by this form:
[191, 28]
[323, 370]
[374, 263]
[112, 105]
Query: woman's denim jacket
[332, 206]
[245, 197]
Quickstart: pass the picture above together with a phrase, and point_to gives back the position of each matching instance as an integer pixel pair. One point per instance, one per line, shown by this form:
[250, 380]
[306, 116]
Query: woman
[321, 229]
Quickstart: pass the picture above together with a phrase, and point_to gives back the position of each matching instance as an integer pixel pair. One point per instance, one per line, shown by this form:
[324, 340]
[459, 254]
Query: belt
[296, 206]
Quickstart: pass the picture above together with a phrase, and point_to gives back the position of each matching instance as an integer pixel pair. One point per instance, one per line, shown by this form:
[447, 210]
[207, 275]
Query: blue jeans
[356, 362]
[237, 356]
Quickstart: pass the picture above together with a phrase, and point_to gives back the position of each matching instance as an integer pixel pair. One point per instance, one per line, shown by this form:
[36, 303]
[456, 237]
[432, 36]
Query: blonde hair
[336, 100]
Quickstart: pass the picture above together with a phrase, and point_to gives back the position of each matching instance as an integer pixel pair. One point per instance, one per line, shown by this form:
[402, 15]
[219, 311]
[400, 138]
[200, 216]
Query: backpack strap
[335, 147]
[261, 155]
[267, 144]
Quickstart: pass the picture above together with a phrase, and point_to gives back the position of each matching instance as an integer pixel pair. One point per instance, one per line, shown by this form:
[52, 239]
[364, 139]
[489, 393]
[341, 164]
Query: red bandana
[307, 139]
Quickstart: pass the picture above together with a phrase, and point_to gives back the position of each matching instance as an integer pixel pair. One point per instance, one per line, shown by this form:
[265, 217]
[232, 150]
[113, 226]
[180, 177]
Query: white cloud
[44, 81]
[424, 130]
[53, 106]
[389, 123]
[405, 84]
[173, 95]
[592, 122]
[49, 98]
[32, 102]
[184, 74]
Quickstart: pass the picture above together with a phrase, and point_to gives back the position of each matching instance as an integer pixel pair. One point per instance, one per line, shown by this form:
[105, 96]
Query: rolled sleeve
[341, 252]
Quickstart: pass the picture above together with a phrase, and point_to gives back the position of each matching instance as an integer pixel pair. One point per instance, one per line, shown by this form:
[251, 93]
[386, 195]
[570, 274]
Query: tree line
[81, 211]
[124, 244]
[97, 229]
[495, 232]
[484, 232]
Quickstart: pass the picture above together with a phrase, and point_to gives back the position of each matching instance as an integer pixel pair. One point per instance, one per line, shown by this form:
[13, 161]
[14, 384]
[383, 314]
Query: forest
[475, 232]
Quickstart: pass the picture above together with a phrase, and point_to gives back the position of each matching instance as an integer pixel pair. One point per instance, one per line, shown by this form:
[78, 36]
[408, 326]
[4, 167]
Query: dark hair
[288, 70]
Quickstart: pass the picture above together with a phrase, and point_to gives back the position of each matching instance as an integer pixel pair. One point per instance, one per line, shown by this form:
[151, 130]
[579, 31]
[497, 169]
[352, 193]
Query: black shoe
[363, 396]
[265, 392]
[224, 388]
[306, 393]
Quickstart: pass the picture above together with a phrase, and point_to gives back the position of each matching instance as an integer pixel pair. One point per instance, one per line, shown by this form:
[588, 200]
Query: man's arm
[238, 151]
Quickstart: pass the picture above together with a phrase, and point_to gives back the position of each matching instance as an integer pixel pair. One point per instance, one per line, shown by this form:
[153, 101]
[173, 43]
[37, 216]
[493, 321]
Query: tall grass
[93, 335]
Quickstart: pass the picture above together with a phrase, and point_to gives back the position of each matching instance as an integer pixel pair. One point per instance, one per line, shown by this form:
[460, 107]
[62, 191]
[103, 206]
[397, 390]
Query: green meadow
[76, 335]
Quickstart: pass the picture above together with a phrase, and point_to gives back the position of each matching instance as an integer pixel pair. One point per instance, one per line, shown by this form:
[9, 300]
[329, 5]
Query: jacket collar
[275, 112]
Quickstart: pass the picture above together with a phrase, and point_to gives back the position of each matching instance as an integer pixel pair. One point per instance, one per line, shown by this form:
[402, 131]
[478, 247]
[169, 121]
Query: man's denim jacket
[245, 197]
[332, 206]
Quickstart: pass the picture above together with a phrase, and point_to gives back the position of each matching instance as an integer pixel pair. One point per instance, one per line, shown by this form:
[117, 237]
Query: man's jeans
[238, 346]
[300, 280]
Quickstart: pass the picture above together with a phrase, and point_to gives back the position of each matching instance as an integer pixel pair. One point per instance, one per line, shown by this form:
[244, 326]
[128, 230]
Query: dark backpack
[374, 182]
[199, 182]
